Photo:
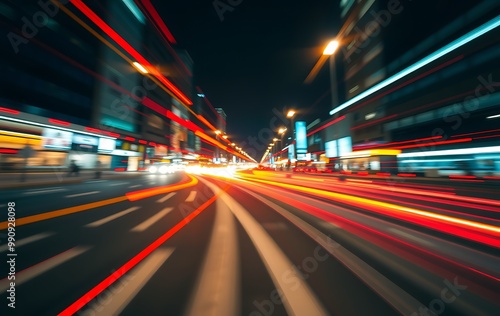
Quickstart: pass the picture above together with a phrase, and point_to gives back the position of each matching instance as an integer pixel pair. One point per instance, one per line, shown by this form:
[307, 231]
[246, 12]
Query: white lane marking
[217, 289]
[150, 221]
[410, 236]
[135, 186]
[112, 217]
[96, 181]
[42, 267]
[385, 288]
[44, 191]
[299, 299]
[27, 240]
[134, 282]
[166, 197]
[82, 194]
[118, 183]
[191, 196]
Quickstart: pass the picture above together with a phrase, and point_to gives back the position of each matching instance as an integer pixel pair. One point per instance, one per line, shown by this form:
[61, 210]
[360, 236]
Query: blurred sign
[301, 138]
[106, 145]
[331, 149]
[85, 143]
[56, 139]
[291, 151]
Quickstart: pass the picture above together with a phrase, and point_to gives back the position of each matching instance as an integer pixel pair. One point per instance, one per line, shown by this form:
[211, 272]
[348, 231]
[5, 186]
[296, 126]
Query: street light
[329, 51]
[331, 48]
[290, 115]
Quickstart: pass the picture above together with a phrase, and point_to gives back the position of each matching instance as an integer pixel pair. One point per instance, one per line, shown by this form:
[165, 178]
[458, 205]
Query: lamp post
[281, 132]
[290, 115]
[330, 50]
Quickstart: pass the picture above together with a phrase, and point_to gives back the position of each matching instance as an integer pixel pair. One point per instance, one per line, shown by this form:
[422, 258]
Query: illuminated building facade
[420, 76]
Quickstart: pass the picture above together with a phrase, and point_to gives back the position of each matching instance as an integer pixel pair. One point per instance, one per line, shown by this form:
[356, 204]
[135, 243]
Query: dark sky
[257, 57]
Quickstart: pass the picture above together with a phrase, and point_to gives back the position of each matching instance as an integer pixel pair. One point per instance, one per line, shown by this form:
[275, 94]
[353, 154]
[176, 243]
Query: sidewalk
[13, 180]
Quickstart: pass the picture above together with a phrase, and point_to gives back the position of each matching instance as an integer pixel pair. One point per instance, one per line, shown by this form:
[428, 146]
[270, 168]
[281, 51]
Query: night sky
[255, 59]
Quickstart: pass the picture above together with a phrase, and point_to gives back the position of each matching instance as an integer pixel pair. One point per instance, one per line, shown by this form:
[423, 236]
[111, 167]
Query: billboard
[331, 149]
[345, 146]
[56, 139]
[301, 138]
[85, 143]
[106, 145]
[291, 152]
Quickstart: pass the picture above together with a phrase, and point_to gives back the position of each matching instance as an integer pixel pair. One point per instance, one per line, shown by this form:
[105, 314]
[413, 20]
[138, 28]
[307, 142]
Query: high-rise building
[419, 76]
[91, 87]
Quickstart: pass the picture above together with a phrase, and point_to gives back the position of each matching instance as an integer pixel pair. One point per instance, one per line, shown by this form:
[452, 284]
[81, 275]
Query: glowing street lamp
[290, 114]
[331, 48]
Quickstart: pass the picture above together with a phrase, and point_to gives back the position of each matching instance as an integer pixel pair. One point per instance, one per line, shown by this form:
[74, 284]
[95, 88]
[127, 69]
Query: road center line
[27, 240]
[112, 217]
[191, 196]
[217, 289]
[135, 186]
[108, 281]
[150, 221]
[44, 191]
[42, 267]
[298, 300]
[138, 277]
[119, 183]
[82, 194]
[166, 197]
[130, 196]
[385, 288]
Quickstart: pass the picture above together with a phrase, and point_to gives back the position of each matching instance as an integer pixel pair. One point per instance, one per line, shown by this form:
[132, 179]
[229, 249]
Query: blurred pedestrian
[73, 169]
[97, 169]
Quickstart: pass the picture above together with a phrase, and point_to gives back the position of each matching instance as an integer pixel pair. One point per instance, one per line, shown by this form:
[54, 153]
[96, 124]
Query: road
[253, 243]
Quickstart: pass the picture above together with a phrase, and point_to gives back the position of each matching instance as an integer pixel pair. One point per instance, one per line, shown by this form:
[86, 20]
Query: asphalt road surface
[252, 244]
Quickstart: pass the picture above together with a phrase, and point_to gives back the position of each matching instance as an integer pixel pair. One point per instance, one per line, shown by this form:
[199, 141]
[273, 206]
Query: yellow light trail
[394, 207]
[132, 196]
